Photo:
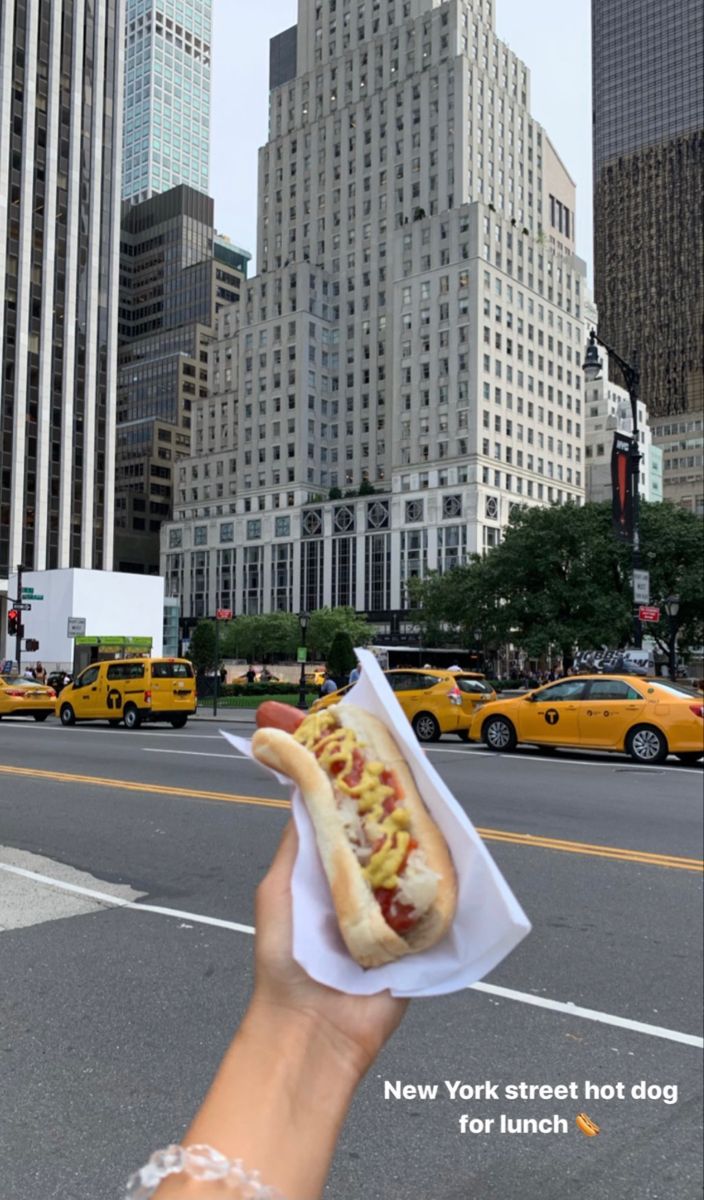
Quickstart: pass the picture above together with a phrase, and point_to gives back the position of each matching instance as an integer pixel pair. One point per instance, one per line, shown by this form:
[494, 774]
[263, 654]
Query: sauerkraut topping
[370, 802]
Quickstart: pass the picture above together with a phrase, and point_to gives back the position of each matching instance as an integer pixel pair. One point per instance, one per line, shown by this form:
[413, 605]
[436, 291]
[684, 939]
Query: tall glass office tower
[648, 122]
[167, 96]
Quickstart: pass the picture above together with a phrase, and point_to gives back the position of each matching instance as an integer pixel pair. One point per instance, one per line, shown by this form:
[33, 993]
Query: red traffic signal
[13, 620]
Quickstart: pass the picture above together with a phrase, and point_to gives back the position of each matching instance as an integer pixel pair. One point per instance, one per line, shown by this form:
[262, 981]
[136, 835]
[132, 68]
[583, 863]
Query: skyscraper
[167, 96]
[405, 369]
[175, 275]
[648, 98]
[60, 143]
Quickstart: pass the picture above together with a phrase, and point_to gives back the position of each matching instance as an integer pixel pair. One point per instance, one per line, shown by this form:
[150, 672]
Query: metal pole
[635, 486]
[20, 621]
[217, 667]
[673, 647]
[302, 679]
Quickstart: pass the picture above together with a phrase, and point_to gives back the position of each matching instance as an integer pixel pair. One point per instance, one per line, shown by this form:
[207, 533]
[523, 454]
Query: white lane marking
[118, 902]
[573, 1010]
[192, 753]
[623, 764]
[96, 731]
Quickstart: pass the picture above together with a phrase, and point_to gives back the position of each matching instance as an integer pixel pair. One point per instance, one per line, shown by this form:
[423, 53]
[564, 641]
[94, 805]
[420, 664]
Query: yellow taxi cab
[131, 690]
[22, 698]
[435, 701]
[646, 718]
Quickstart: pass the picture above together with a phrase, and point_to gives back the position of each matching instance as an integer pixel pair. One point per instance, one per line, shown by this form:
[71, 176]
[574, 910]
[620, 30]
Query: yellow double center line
[539, 842]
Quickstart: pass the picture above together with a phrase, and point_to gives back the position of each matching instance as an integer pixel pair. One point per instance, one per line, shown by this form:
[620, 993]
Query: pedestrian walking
[39, 673]
[251, 676]
[355, 674]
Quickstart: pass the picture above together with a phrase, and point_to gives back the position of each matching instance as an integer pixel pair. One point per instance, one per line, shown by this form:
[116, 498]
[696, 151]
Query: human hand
[356, 1027]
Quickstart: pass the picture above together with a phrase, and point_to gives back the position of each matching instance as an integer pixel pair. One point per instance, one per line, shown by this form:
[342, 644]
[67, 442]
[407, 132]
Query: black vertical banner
[622, 486]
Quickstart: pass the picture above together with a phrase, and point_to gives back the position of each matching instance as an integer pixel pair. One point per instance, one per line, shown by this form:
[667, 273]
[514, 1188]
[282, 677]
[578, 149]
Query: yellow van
[132, 690]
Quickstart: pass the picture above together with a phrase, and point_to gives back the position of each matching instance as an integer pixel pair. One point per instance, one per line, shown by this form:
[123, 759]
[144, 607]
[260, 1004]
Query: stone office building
[406, 367]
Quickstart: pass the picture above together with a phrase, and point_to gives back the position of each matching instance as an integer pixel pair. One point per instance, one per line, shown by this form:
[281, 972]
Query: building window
[311, 593]
[344, 563]
[175, 538]
[452, 506]
[254, 530]
[225, 582]
[227, 534]
[282, 576]
[414, 556]
[414, 511]
[200, 583]
[377, 573]
[200, 535]
[452, 547]
[282, 527]
[253, 581]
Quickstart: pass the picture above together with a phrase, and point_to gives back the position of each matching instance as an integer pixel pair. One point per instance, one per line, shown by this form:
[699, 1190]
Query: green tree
[561, 579]
[672, 549]
[260, 637]
[202, 648]
[324, 623]
[341, 657]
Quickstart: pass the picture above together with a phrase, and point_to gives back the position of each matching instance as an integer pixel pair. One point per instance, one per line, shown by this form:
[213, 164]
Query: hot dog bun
[427, 882]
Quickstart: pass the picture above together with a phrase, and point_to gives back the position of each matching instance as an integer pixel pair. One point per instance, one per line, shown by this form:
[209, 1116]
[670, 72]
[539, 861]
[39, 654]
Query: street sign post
[223, 614]
[24, 607]
[641, 587]
[648, 613]
[76, 627]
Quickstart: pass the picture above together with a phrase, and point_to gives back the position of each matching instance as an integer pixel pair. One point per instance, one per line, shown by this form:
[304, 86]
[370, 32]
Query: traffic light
[31, 644]
[13, 620]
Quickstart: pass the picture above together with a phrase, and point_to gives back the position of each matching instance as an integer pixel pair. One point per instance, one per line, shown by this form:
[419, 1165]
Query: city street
[114, 1019]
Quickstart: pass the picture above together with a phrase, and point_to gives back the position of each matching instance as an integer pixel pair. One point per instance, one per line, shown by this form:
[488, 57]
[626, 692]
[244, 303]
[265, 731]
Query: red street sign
[223, 614]
[649, 614]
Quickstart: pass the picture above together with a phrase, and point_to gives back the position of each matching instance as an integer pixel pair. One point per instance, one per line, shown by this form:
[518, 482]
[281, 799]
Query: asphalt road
[112, 1020]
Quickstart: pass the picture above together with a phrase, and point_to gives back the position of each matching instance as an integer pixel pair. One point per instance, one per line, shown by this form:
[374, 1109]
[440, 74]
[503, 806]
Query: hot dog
[390, 872]
[272, 714]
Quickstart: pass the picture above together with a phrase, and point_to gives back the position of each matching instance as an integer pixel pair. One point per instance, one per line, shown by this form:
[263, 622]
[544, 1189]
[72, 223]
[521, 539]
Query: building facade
[405, 369]
[648, 101]
[61, 67]
[167, 96]
[608, 411]
[176, 273]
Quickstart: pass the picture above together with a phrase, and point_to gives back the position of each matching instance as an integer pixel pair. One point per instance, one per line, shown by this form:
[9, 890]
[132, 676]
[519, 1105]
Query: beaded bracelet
[199, 1162]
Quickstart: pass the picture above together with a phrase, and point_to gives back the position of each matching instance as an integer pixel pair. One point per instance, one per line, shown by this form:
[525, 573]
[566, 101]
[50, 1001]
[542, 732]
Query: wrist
[312, 1043]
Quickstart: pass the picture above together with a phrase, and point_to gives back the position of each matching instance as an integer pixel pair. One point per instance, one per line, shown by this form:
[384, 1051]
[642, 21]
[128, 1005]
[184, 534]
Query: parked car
[646, 718]
[131, 690]
[435, 701]
[22, 698]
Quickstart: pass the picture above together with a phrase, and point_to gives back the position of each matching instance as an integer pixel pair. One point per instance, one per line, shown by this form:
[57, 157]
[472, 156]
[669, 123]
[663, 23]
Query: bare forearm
[277, 1102]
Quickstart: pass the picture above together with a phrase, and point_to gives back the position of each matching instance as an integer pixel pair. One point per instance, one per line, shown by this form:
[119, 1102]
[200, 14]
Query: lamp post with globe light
[303, 622]
[592, 372]
[672, 608]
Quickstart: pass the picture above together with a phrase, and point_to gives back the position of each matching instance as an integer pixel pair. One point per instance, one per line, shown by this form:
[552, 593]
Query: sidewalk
[235, 716]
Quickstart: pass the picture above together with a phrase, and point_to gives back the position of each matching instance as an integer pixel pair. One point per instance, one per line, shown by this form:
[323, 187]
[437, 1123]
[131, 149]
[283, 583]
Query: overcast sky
[551, 36]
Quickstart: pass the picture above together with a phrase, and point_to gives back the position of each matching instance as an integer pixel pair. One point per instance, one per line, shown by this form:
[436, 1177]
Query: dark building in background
[61, 67]
[648, 128]
[175, 275]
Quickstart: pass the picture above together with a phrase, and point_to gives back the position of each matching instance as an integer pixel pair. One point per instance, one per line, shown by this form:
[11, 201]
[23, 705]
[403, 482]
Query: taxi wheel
[40, 716]
[499, 734]
[131, 717]
[692, 757]
[178, 722]
[646, 745]
[426, 727]
[68, 716]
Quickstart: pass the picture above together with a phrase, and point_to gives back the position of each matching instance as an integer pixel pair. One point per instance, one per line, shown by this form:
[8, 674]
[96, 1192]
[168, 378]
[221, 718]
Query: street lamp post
[303, 622]
[672, 608]
[592, 371]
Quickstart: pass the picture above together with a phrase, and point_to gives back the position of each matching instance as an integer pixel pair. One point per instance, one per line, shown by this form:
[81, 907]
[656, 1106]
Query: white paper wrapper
[489, 921]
